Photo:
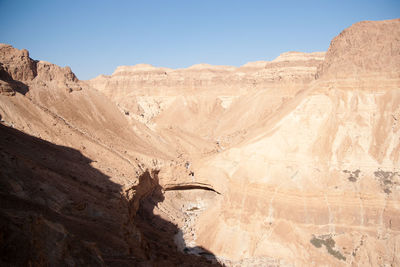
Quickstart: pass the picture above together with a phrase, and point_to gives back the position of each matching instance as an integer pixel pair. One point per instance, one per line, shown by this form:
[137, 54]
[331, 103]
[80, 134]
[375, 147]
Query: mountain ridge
[288, 162]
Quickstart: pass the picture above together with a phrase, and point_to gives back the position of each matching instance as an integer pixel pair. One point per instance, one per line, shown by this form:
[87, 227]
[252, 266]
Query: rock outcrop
[6, 88]
[290, 162]
[17, 63]
[47, 72]
[294, 67]
[367, 52]
[73, 173]
[197, 99]
[317, 181]
[18, 68]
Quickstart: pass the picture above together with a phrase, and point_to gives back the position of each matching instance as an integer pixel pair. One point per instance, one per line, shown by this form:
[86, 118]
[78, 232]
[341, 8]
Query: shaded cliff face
[73, 174]
[54, 205]
[56, 209]
[289, 162]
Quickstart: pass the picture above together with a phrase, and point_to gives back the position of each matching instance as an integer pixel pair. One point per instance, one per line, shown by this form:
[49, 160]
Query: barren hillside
[290, 162]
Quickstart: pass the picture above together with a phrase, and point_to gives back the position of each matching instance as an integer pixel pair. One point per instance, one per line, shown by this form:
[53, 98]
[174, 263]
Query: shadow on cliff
[18, 86]
[160, 235]
[56, 210]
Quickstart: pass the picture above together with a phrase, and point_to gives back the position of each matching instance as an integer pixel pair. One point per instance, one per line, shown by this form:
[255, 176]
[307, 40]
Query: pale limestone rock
[290, 162]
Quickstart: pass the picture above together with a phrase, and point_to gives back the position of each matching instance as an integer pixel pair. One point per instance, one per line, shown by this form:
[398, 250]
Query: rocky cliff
[197, 100]
[290, 162]
[366, 54]
[293, 67]
[316, 182]
[73, 173]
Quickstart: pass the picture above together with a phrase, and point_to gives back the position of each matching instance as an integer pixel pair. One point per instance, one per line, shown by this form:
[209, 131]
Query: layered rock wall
[293, 162]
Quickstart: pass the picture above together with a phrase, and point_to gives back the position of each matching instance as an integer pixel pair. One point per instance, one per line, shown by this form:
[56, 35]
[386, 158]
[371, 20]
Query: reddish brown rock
[279, 163]
[6, 88]
[17, 63]
[366, 49]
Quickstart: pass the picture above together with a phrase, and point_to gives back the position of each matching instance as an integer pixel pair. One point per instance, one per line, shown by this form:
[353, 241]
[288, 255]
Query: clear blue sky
[94, 37]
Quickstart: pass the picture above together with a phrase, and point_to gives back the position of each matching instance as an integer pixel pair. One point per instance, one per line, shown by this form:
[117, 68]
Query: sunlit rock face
[294, 67]
[306, 148]
[318, 182]
[202, 100]
[289, 162]
[366, 49]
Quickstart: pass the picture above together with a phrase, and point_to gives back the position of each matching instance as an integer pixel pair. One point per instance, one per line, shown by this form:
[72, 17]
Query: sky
[94, 37]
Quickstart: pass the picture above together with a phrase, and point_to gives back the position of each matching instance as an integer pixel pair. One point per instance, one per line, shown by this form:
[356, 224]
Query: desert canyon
[289, 162]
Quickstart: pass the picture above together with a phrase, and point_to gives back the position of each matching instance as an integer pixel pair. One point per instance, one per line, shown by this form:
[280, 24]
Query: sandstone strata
[321, 174]
[73, 172]
[198, 99]
[366, 55]
[292, 162]
[6, 88]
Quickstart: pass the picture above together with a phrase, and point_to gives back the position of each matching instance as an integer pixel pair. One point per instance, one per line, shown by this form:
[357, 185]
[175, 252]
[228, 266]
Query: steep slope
[373, 51]
[73, 173]
[53, 93]
[197, 99]
[370, 46]
[318, 180]
[293, 162]
[57, 209]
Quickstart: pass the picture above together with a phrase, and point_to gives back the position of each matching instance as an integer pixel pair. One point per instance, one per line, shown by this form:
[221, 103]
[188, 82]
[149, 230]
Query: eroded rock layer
[292, 162]
[318, 181]
[73, 172]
